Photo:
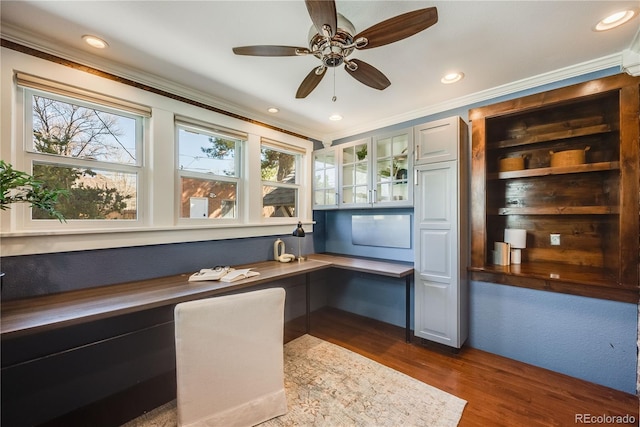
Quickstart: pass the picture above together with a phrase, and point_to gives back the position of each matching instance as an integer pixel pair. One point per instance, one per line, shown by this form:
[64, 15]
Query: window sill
[40, 242]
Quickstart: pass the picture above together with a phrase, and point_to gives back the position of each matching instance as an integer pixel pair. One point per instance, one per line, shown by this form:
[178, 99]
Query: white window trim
[205, 128]
[26, 156]
[157, 225]
[300, 157]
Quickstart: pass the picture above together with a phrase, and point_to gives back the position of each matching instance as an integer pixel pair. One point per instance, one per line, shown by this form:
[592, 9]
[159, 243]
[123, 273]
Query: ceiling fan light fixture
[616, 19]
[452, 77]
[95, 41]
[332, 40]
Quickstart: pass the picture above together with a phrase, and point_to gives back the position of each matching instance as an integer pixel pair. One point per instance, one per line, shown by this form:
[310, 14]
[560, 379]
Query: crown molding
[30, 40]
[631, 57]
[629, 60]
[614, 60]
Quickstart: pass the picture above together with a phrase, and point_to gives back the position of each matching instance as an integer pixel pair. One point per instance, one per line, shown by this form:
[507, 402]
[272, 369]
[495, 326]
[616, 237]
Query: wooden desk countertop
[381, 268]
[32, 315]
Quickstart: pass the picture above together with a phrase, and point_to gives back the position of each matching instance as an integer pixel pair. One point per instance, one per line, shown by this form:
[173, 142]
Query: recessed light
[335, 117]
[272, 110]
[94, 41]
[452, 77]
[616, 19]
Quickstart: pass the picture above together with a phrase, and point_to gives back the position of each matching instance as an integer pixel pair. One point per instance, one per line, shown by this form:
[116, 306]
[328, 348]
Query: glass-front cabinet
[391, 177]
[369, 172]
[355, 183]
[325, 179]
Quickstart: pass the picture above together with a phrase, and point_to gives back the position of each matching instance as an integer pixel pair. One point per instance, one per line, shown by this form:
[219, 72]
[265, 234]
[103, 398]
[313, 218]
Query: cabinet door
[437, 308]
[325, 179]
[437, 141]
[392, 180]
[355, 174]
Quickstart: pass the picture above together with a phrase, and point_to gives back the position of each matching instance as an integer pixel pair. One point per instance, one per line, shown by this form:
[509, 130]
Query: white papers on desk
[234, 275]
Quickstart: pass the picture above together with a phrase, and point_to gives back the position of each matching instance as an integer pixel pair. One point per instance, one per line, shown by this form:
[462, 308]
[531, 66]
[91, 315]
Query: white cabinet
[325, 178]
[441, 237]
[372, 172]
[437, 141]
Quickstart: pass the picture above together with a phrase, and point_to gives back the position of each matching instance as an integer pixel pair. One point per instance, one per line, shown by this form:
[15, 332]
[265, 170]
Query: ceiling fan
[332, 40]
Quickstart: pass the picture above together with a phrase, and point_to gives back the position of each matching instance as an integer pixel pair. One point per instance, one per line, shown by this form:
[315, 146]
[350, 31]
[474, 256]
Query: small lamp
[517, 238]
[299, 232]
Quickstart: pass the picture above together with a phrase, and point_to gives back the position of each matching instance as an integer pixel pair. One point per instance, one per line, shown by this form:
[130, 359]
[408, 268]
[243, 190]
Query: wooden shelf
[558, 210]
[551, 136]
[527, 173]
[548, 276]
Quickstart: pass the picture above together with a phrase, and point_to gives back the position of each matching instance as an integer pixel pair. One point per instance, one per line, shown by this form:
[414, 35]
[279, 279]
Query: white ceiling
[186, 45]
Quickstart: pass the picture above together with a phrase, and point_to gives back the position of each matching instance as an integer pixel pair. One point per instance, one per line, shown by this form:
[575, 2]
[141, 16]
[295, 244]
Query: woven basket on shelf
[568, 157]
[511, 164]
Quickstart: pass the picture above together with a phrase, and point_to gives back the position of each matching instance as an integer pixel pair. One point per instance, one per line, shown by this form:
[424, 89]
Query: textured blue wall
[32, 275]
[583, 337]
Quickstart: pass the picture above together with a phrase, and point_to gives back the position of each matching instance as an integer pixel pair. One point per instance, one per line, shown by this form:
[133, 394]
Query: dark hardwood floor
[498, 391]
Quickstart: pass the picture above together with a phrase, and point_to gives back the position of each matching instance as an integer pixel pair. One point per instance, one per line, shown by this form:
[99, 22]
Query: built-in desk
[38, 314]
[115, 343]
[381, 268]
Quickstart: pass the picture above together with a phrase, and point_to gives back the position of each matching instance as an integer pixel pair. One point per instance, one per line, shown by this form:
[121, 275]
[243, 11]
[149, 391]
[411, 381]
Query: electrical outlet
[555, 239]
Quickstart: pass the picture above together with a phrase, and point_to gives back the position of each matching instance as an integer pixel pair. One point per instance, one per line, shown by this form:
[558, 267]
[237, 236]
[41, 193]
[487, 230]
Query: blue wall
[587, 338]
[583, 337]
[33, 275]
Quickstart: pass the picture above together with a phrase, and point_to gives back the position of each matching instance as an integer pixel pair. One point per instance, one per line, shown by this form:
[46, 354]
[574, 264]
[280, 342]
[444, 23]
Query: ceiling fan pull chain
[335, 98]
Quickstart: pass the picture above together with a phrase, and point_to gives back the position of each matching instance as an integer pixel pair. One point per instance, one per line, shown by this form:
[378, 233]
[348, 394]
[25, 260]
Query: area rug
[327, 385]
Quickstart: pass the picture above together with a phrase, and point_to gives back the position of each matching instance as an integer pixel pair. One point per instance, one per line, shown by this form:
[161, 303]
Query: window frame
[31, 157]
[157, 223]
[300, 160]
[209, 129]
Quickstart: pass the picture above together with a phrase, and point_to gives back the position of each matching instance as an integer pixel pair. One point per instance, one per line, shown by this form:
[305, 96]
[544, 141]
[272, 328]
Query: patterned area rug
[327, 385]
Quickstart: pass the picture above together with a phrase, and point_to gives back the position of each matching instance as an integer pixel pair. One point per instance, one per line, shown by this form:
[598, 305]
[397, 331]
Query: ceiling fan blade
[271, 50]
[368, 75]
[323, 13]
[399, 27]
[310, 82]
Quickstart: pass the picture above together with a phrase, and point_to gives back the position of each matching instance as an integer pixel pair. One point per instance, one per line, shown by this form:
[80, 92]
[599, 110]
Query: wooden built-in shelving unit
[594, 205]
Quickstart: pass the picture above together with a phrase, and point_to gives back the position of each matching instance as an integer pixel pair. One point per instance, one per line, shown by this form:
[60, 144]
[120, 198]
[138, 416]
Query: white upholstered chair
[229, 359]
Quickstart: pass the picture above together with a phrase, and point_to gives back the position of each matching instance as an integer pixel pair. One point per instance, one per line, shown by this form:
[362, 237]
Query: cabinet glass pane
[383, 148]
[384, 171]
[330, 198]
[324, 178]
[348, 155]
[324, 197]
[330, 159]
[361, 174]
[348, 174]
[347, 195]
[383, 192]
[330, 178]
[319, 179]
[400, 191]
[361, 153]
[400, 145]
[362, 194]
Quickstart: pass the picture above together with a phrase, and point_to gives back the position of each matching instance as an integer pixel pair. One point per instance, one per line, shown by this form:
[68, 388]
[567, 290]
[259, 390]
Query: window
[209, 169]
[91, 150]
[280, 183]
